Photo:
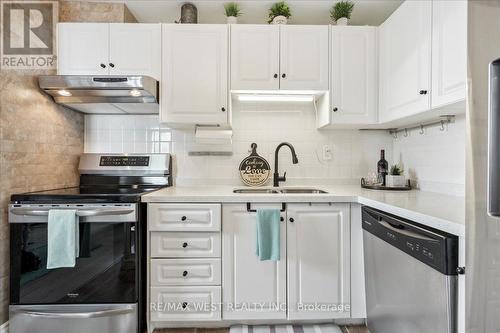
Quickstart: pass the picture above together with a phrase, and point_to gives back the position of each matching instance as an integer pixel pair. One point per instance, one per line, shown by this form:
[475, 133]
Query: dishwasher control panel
[432, 247]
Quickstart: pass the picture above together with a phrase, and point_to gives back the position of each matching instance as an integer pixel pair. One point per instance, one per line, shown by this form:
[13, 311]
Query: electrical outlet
[327, 153]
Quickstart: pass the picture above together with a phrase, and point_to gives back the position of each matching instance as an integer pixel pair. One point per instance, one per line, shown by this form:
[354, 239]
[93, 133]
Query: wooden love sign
[254, 169]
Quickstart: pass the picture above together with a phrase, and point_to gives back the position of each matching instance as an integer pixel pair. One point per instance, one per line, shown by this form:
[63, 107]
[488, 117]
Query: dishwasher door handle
[405, 232]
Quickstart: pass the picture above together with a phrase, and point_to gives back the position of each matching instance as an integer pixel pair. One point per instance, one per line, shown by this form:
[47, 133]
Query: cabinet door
[82, 48]
[449, 52]
[255, 57]
[354, 84]
[194, 74]
[135, 49]
[245, 279]
[318, 261]
[304, 57]
[405, 41]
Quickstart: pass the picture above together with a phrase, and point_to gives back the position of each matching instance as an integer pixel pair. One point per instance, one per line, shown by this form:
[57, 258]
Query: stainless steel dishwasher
[410, 275]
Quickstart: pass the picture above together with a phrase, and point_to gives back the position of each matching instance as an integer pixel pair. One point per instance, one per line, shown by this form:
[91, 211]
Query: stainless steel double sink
[279, 190]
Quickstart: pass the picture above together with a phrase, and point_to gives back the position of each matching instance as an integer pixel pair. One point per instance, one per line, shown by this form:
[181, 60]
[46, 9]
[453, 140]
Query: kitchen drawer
[194, 272]
[185, 244]
[185, 303]
[184, 217]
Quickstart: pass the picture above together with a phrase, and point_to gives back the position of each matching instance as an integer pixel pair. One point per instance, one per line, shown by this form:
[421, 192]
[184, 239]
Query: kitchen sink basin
[255, 191]
[302, 191]
[279, 191]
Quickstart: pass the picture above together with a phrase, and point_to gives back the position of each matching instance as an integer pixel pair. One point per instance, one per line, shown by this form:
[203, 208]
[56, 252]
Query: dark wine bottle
[382, 167]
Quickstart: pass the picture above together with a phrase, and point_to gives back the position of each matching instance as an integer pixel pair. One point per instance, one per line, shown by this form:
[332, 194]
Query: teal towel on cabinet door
[268, 234]
[62, 238]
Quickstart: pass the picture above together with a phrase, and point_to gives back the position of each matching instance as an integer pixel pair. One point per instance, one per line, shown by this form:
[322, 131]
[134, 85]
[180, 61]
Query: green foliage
[232, 9]
[341, 9]
[279, 9]
[396, 170]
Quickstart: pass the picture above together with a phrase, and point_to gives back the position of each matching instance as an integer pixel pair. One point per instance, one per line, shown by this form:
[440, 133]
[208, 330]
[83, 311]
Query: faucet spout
[276, 176]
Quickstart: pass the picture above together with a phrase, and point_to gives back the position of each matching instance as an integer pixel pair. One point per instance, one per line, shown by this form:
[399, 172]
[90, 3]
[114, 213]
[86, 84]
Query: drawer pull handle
[184, 305]
[184, 245]
[183, 218]
[184, 273]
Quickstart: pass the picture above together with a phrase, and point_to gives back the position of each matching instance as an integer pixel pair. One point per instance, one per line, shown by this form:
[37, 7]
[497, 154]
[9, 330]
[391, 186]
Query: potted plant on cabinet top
[232, 12]
[279, 13]
[341, 12]
[395, 178]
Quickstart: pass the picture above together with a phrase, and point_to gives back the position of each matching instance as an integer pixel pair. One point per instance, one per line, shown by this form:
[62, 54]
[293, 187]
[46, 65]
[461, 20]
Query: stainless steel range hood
[109, 94]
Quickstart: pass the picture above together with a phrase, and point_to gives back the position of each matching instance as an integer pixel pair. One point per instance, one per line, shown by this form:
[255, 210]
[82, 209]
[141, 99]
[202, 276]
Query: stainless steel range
[104, 291]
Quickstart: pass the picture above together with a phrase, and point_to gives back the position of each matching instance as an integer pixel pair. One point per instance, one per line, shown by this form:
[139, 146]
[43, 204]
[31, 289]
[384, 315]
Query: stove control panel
[124, 161]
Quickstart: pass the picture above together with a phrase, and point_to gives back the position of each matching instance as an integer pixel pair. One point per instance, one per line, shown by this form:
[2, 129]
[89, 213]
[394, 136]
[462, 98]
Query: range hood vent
[103, 94]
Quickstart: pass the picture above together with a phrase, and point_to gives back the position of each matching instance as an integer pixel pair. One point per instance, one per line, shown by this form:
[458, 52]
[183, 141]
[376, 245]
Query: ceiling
[366, 12]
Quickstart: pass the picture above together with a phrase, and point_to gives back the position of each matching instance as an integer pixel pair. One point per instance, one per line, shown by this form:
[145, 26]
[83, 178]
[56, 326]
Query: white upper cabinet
[255, 57]
[116, 49]
[304, 57]
[82, 48]
[272, 57]
[194, 87]
[405, 59]
[318, 240]
[135, 49]
[449, 52]
[354, 84]
[246, 279]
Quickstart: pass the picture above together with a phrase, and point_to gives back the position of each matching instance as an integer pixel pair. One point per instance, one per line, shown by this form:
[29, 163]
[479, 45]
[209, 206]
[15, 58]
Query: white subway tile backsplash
[435, 160]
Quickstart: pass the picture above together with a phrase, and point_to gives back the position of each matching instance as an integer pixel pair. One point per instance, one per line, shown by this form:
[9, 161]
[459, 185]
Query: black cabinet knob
[291, 219]
[184, 273]
[282, 218]
[283, 75]
[183, 218]
[223, 109]
[111, 65]
[184, 244]
[184, 305]
[275, 76]
[423, 92]
[335, 109]
[460, 270]
[103, 65]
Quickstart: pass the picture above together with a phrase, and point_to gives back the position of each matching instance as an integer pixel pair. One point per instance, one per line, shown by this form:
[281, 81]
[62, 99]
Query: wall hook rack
[443, 120]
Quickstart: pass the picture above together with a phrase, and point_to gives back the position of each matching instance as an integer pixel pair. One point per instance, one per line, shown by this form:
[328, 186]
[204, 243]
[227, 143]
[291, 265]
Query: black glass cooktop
[93, 194]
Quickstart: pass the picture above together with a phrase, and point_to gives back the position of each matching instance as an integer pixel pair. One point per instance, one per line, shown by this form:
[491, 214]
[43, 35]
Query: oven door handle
[79, 212]
[92, 314]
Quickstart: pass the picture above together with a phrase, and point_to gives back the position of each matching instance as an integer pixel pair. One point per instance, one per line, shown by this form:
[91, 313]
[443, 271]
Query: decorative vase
[395, 181]
[232, 20]
[343, 21]
[189, 13]
[280, 19]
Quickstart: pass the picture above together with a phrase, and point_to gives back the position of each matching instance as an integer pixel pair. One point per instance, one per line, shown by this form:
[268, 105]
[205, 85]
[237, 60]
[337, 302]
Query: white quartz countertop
[440, 211]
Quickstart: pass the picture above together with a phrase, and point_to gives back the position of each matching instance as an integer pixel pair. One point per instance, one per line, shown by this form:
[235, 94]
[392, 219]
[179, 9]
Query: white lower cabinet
[318, 243]
[184, 270]
[253, 289]
[197, 303]
[315, 242]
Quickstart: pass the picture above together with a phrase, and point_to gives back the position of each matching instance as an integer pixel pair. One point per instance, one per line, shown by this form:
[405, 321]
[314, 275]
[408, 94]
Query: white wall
[355, 153]
[436, 159]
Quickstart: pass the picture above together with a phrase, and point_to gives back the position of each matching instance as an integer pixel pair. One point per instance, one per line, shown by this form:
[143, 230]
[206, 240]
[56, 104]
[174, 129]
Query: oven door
[105, 271]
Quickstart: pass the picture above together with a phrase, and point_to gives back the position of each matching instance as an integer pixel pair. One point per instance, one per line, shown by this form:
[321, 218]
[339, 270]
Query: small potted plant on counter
[395, 178]
[279, 13]
[232, 12]
[341, 12]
